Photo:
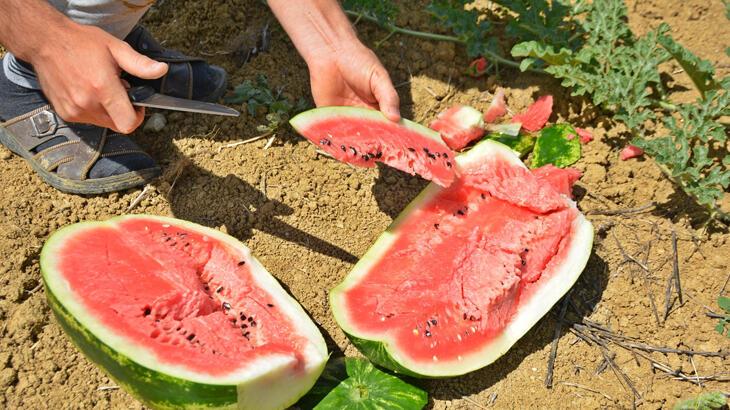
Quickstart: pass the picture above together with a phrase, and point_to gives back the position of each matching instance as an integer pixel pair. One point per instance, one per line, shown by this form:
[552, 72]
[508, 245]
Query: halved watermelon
[361, 136]
[459, 125]
[180, 315]
[466, 271]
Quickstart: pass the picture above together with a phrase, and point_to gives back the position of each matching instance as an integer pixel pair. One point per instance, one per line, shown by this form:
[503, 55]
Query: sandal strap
[178, 81]
[71, 159]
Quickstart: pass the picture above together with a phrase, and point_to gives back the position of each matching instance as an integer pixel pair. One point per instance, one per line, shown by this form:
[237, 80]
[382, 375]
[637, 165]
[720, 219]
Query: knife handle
[141, 93]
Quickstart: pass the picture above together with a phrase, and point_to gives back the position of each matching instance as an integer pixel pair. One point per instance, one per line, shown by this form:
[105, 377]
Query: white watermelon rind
[379, 348]
[267, 383]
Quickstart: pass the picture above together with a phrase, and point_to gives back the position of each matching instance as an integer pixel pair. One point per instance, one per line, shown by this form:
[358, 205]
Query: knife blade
[144, 96]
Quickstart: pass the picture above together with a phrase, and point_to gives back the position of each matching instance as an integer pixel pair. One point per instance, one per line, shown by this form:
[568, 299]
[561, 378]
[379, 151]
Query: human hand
[355, 77]
[79, 73]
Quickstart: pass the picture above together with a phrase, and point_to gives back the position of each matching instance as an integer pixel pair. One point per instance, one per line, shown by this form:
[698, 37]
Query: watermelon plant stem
[392, 28]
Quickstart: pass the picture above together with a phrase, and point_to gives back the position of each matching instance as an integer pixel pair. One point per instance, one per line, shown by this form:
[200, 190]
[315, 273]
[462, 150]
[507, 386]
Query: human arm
[78, 66]
[342, 70]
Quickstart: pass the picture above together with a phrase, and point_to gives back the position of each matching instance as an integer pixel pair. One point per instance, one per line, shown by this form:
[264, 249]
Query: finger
[117, 105]
[135, 63]
[385, 93]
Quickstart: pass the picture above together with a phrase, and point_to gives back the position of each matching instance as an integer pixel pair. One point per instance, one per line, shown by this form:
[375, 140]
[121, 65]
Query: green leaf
[724, 303]
[544, 21]
[706, 401]
[521, 143]
[369, 388]
[544, 52]
[475, 32]
[700, 71]
[555, 146]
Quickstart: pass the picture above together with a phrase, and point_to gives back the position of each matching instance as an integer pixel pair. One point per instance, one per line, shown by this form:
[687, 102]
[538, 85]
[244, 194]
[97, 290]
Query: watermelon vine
[590, 47]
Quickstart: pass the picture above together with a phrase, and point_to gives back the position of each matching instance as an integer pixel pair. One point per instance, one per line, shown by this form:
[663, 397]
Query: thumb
[385, 93]
[135, 63]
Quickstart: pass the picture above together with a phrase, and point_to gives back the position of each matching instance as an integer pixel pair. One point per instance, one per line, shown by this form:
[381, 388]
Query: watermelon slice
[466, 271]
[361, 136]
[630, 151]
[459, 125]
[536, 115]
[180, 315]
[497, 108]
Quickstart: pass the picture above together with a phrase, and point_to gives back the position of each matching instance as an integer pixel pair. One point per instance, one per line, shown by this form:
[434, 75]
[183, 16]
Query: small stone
[5, 154]
[155, 123]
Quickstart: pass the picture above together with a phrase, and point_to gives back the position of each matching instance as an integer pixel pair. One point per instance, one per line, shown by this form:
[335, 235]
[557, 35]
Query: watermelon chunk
[180, 315]
[630, 151]
[466, 271]
[585, 135]
[459, 125]
[497, 108]
[536, 115]
[361, 137]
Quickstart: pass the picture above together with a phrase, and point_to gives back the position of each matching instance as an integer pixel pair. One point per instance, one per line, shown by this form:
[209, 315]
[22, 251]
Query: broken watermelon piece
[464, 272]
[584, 134]
[478, 67]
[536, 115]
[630, 151]
[459, 125]
[180, 315]
[497, 108]
[362, 136]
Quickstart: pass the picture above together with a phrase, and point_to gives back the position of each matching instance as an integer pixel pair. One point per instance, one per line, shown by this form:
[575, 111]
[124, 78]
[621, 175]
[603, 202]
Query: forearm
[316, 27]
[26, 26]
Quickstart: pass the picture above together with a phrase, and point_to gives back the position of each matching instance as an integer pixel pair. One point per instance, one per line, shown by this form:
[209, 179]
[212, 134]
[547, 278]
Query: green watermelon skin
[163, 390]
[155, 389]
[385, 352]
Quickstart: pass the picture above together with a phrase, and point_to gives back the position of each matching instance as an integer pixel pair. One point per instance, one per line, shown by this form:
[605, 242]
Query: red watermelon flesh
[497, 108]
[362, 137]
[459, 125]
[536, 116]
[560, 179]
[184, 296]
[452, 281]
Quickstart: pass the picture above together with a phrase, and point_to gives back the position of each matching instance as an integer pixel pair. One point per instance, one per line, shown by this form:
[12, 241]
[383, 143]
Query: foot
[74, 158]
[187, 77]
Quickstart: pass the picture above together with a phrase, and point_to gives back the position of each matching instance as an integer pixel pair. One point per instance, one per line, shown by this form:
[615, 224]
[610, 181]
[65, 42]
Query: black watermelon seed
[365, 157]
[527, 250]
[323, 141]
[522, 260]
[448, 164]
[445, 155]
[427, 333]
[484, 196]
[226, 306]
[379, 155]
[342, 147]
[253, 323]
[220, 288]
[241, 263]
[243, 326]
[270, 304]
[436, 226]
[354, 151]
[460, 212]
[434, 322]
[191, 336]
[412, 149]
[147, 311]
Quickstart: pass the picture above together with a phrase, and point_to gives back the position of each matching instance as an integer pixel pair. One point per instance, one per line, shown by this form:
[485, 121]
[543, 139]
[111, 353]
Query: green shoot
[723, 325]
[705, 401]
[259, 97]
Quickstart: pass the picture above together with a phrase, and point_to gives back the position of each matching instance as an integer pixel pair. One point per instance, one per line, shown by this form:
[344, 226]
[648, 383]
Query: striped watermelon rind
[380, 349]
[269, 385]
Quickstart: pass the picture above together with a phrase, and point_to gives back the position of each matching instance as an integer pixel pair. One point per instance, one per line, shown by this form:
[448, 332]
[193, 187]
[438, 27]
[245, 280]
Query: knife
[144, 96]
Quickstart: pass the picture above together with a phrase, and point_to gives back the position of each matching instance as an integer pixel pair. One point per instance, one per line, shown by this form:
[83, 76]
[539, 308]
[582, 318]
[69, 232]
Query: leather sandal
[187, 77]
[77, 158]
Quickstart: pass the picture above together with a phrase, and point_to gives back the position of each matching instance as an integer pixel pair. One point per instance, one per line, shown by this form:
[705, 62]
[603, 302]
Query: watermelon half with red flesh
[361, 137]
[180, 315]
[466, 271]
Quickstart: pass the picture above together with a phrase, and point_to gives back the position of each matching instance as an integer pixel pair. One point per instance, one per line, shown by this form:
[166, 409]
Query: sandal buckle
[44, 124]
